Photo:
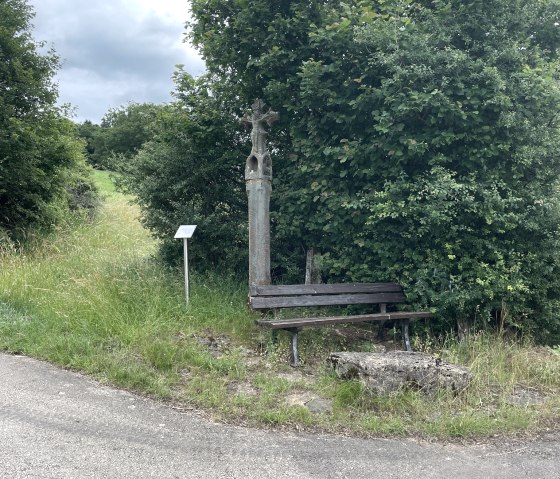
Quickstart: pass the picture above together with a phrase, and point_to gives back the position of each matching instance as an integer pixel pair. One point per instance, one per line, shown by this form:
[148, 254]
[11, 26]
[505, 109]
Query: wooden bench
[301, 295]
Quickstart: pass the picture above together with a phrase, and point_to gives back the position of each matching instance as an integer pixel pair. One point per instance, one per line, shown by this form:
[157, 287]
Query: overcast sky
[115, 51]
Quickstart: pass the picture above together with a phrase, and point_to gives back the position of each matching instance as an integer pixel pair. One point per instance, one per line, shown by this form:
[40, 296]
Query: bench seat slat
[321, 321]
[326, 300]
[313, 289]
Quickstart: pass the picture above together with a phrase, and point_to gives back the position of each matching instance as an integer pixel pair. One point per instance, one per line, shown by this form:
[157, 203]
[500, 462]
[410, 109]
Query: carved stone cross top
[257, 119]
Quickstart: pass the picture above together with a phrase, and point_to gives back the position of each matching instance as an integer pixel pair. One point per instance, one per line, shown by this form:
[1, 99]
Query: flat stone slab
[314, 403]
[527, 397]
[383, 373]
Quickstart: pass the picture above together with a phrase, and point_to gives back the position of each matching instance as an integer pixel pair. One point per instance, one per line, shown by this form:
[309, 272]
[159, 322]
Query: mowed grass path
[92, 298]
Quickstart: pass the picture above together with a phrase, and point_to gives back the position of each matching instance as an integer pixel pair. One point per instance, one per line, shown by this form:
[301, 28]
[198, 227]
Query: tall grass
[91, 298]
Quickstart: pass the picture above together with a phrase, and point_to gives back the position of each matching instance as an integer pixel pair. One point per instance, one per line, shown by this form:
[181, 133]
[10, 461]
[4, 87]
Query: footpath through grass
[91, 298]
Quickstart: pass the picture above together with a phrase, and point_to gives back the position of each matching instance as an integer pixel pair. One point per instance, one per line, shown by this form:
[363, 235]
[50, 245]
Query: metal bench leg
[295, 357]
[380, 329]
[406, 336]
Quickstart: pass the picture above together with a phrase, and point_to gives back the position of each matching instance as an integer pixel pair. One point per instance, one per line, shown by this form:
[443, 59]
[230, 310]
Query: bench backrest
[290, 296]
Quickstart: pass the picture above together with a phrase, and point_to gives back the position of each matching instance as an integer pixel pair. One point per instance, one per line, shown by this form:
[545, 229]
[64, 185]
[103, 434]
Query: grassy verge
[91, 298]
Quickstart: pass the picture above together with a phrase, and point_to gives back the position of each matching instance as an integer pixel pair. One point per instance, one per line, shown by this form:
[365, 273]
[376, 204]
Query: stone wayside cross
[258, 179]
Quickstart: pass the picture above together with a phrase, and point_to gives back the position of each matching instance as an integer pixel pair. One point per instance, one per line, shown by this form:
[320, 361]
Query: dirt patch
[242, 389]
[297, 376]
[524, 396]
[216, 345]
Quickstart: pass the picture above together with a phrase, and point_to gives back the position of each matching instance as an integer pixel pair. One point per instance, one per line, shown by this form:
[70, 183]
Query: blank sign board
[185, 231]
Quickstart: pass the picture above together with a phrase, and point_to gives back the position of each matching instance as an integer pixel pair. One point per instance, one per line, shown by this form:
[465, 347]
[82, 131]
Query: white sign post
[185, 232]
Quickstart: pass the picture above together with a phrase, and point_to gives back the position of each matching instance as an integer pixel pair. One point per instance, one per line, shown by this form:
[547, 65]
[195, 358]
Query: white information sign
[185, 232]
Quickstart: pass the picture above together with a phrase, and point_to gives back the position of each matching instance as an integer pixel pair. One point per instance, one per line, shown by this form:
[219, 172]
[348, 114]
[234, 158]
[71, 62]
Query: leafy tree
[446, 153]
[122, 132]
[256, 49]
[41, 164]
[190, 173]
[419, 141]
[88, 131]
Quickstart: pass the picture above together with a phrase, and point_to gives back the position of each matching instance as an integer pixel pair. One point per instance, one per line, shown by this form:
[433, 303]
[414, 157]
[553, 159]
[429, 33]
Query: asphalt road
[58, 424]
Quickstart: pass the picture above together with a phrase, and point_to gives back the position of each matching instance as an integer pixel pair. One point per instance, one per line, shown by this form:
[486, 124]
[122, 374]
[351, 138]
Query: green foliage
[419, 142]
[121, 134]
[349, 394]
[42, 171]
[191, 172]
[88, 131]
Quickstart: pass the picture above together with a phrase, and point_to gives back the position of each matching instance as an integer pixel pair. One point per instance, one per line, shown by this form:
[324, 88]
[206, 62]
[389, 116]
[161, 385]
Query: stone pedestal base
[383, 373]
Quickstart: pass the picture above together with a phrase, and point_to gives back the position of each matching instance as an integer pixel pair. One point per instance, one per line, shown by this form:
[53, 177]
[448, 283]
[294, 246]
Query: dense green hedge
[42, 168]
[418, 142]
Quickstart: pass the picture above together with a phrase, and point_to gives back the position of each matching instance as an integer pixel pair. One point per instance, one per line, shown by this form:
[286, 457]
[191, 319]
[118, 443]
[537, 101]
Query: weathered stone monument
[258, 178]
[384, 373]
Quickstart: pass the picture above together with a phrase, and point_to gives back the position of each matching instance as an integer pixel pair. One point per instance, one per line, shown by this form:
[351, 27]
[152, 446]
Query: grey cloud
[93, 95]
[109, 57]
[111, 47]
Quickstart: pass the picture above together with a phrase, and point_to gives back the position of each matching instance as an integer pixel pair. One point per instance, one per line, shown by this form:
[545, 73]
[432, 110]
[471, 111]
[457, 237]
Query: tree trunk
[312, 272]
[462, 328]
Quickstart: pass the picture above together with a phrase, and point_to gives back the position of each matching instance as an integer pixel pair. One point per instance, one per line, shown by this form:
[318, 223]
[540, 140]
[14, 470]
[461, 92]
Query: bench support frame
[272, 298]
[294, 356]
